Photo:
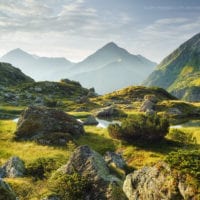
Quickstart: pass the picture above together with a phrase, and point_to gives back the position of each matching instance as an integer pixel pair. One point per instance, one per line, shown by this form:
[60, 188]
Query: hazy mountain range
[108, 69]
[111, 68]
[39, 68]
[179, 72]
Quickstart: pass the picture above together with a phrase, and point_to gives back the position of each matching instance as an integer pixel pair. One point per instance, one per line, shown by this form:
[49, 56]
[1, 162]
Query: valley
[66, 140]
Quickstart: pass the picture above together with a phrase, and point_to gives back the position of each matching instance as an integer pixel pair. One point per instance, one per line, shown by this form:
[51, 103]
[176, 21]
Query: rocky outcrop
[149, 104]
[6, 193]
[91, 165]
[110, 111]
[90, 121]
[37, 123]
[13, 168]
[156, 183]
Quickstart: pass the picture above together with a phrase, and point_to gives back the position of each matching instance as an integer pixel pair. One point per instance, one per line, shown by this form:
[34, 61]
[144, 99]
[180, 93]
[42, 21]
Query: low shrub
[142, 127]
[182, 137]
[186, 161]
[69, 186]
[42, 167]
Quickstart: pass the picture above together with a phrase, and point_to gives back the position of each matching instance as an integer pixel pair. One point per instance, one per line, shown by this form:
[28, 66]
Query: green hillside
[10, 75]
[179, 72]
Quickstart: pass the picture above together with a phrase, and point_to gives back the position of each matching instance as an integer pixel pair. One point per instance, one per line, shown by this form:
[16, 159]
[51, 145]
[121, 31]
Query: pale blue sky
[76, 28]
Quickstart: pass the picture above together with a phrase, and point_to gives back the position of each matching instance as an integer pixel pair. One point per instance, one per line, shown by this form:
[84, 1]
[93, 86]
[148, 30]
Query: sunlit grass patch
[26, 150]
[27, 188]
[98, 139]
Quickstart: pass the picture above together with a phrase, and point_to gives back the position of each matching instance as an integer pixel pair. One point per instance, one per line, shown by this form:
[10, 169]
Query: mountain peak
[111, 45]
[17, 52]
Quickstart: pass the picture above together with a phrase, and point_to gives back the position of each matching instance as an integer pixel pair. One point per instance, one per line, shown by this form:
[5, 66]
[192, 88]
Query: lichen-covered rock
[6, 193]
[110, 111]
[149, 104]
[90, 121]
[91, 165]
[156, 183]
[13, 168]
[112, 158]
[38, 122]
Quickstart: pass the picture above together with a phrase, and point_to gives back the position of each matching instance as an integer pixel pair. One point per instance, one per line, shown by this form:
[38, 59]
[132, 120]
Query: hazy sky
[76, 28]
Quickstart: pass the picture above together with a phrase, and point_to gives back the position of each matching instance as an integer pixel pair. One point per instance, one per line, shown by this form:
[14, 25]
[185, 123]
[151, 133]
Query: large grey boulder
[90, 164]
[40, 123]
[156, 183]
[6, 193]
[13, 168]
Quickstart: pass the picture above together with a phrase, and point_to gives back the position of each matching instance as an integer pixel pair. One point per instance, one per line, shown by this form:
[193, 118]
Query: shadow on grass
[164, 146]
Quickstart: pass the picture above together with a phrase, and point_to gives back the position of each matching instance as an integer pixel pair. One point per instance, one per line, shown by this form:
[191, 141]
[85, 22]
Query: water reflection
[105, 123]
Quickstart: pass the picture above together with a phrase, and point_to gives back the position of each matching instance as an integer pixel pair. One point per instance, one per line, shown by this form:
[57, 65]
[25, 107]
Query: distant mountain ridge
[109, 68]
[179, 72]
[40, 68]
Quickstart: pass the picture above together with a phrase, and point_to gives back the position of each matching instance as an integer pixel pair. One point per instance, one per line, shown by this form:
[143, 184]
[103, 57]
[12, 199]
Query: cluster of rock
[149, 104]
[90, 164]
[44, 93]
[45, 125]
[157, 182]
[13, 168]
[85, 98]
[110, 111]
[149, 183]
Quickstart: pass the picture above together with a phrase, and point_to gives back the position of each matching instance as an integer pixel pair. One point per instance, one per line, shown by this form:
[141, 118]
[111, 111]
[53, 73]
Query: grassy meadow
[136, 154]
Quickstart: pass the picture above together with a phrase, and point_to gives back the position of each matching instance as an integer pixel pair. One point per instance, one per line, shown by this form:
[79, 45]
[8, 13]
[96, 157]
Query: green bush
[142, 127]
[42, 167]
[186, 161]
[181, 136]
[69, 186]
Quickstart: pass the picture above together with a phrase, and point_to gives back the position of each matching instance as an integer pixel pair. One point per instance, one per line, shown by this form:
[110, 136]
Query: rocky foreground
[87, 175]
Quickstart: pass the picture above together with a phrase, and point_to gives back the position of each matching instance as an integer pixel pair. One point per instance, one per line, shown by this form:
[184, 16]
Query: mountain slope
[111, 68]
[40, 68]
[10, 75]
[179, 72]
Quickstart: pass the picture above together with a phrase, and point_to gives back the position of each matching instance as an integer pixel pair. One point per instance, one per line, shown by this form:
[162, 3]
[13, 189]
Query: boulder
[110, 111]
[6, 193]
[156, 183]
[91, 93]
[90, 164]
[37, 122]
[116, 164]
[13, 168]
[148, 104]
[90, 121]
[112, 158]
